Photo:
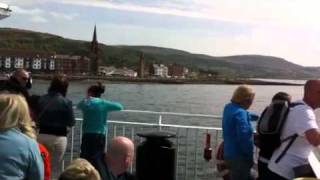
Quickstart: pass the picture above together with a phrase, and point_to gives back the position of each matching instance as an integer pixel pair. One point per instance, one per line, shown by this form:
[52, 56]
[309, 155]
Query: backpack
[270, 127]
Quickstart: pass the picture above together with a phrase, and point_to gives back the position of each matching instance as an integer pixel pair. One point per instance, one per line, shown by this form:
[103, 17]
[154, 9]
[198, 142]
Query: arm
[36, 167]
[71, 119]
[113, 106]
[313, 136]
[244, 133]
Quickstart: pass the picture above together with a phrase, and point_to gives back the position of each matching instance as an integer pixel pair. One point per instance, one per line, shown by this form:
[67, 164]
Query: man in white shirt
[301, 121]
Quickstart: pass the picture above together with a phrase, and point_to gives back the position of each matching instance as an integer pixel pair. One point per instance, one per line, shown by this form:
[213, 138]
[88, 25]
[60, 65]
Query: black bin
[156, 157]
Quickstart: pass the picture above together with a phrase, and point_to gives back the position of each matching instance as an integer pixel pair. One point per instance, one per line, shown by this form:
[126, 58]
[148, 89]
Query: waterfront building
[160, 70]
[33, 61]
[40, 62]
[177, 71]
[72, 65]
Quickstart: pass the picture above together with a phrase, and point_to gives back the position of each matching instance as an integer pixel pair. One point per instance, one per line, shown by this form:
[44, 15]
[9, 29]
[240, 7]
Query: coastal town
[44, 63]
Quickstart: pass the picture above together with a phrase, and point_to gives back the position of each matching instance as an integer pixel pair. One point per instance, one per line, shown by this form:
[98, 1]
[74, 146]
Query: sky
[289, 29]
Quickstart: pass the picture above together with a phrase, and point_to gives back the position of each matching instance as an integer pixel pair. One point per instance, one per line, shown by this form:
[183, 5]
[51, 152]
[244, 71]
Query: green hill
[119, 56]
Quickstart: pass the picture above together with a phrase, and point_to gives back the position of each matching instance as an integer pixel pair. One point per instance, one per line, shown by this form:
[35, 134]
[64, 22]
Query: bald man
[114, 163]
[302, 123]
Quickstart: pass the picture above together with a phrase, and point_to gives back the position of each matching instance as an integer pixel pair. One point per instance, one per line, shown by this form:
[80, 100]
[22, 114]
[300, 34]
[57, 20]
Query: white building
[160, 70]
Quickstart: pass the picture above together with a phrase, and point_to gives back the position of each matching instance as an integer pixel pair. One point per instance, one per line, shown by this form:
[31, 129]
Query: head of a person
[21, 76]
[59, 84]
[96, 90]
[120, 153]
[14, 113]
[312, 93]
[282, 96]
[80, 169]
[243, 96]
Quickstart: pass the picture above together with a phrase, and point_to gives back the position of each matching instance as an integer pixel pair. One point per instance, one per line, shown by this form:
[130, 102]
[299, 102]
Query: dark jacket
[105, 174]
[55, 114]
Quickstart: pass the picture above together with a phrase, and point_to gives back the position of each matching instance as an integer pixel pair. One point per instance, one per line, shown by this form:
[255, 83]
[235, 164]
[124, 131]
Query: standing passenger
[302, 123]
[238, 133]
[268, 144]
[19, 154]
[55, 118]
[95, 112]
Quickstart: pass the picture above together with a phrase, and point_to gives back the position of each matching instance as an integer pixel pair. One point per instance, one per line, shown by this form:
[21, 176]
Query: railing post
[160, 122]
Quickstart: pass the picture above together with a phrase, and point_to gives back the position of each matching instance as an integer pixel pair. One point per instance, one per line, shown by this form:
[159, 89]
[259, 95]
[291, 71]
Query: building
[160, 70]
[141, 66]
[112, 71]
[33, 61]
[94, 63]
[43, 62]
[73, 65]
[177, 71]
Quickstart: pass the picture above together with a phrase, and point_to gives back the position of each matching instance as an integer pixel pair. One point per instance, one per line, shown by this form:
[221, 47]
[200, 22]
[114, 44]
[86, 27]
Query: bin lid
[156, 135]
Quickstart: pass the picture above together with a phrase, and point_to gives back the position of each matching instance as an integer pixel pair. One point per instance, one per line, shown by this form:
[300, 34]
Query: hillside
[119, 56]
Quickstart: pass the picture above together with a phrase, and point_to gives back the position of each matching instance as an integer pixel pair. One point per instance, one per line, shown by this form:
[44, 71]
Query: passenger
[95, 112]
[266, 146]
[115, 162]
[238, 133]
[55, 119]
[80, 169]
[17, 83]
[19, 153]
[301, 121]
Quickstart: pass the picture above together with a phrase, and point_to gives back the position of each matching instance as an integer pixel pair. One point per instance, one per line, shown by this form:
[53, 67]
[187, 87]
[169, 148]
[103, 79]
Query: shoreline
[169, 81]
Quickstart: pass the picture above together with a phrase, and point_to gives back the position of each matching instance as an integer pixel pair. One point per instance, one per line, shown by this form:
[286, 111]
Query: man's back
[300, 119]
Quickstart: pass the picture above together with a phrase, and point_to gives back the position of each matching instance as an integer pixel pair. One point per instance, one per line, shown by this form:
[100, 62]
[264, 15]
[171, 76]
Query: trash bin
[156, 157]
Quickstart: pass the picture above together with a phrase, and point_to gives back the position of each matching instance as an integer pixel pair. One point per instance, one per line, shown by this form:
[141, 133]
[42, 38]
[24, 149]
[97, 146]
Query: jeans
[56, 145]
[264, 172]
[239, 168]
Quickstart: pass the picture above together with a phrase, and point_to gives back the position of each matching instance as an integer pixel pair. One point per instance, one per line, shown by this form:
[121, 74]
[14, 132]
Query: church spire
[94, 65]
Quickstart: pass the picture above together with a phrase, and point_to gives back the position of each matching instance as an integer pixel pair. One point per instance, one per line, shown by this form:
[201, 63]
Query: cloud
[19, 10]
[63, 16]
[38, 19]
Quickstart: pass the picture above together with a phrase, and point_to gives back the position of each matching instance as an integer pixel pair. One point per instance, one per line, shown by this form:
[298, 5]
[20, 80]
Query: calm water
[200, 99]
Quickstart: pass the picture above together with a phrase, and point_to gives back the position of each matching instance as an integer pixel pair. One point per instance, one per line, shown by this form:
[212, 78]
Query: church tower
[94, 50]
[141, 66]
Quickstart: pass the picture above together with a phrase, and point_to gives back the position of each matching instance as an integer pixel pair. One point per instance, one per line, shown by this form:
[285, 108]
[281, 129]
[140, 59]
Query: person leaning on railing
[19, 154]
[95, 112]
[55, 116]
[238, 133]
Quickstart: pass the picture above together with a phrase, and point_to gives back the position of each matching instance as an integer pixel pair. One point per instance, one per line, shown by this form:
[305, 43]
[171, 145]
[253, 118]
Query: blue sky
[284, 28]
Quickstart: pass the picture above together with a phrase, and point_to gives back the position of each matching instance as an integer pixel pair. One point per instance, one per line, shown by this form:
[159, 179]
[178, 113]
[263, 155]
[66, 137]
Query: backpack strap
[292, 138]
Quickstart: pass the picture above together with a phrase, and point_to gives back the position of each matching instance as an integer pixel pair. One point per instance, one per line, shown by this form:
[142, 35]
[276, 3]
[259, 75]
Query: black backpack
[270, 127]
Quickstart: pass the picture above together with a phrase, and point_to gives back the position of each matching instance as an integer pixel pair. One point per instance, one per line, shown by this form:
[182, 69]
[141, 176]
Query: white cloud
[19, 10]
[38, 19]
[63, 16]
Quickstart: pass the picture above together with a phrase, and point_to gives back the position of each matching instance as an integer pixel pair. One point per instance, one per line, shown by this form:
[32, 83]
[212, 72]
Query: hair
[59, 84]
[96, 90]
[14, 113]
[282, 96]
[80, 169]
[242, 94]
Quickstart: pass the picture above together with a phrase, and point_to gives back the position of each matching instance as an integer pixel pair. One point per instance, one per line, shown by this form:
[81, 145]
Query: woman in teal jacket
[95, 112]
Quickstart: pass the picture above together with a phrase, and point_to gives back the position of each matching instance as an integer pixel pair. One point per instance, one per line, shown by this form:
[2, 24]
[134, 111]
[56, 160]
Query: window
[18, 63]
[36, 64]
[52, 65]
[7, 63]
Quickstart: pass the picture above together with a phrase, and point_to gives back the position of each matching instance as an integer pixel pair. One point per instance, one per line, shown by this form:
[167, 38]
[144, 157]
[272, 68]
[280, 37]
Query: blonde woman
[238, 133]
[19, 153]
[80, 169]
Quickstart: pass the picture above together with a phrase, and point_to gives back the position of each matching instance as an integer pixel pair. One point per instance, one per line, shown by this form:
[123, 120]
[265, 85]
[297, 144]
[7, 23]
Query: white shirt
[300, 119]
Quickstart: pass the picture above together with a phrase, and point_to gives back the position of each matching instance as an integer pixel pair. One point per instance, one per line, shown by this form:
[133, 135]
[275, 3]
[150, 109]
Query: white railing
[189, 141]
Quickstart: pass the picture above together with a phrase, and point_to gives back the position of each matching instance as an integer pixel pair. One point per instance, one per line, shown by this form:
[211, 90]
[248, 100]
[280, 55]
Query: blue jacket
[237, 132]
[20, 157]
